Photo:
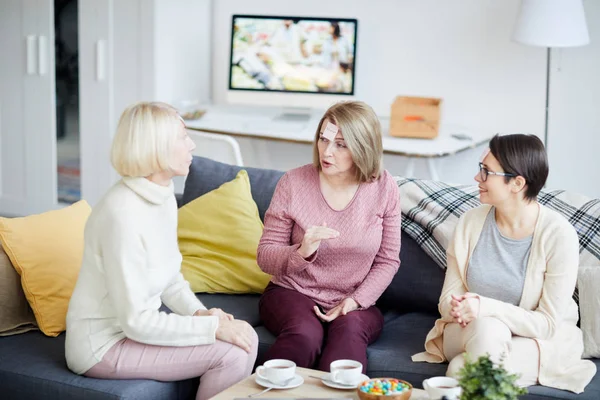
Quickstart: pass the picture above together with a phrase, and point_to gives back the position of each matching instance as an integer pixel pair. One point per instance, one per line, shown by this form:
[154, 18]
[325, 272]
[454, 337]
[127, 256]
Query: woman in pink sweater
[331, 242]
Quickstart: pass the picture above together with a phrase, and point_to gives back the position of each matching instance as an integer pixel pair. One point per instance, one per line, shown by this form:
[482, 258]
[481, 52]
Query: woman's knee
[489, 326]
[488, 329]
[237, 358]
[354, 326]
[455, 365]
[308, 340]
[487, 335]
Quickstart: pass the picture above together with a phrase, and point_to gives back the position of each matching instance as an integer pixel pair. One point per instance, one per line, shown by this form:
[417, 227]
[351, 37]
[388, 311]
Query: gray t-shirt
[498, 264]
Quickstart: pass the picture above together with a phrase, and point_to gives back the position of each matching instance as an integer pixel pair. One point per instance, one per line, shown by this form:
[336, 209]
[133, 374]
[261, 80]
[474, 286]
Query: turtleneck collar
[148, 190]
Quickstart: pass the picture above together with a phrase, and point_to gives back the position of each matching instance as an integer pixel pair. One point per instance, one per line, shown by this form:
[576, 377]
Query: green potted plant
[482, 380]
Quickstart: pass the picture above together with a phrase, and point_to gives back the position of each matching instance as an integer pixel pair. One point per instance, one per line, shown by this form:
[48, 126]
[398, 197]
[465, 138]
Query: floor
[68, 160]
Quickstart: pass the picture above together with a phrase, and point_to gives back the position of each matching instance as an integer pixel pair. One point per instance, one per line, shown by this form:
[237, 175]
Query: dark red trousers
[303, 338]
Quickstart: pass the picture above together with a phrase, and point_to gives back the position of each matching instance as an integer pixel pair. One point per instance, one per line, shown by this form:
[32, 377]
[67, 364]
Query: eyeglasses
[484, 172]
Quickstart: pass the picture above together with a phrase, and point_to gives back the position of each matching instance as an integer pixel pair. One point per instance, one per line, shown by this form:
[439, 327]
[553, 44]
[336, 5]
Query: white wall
[574, 118]
[460, 51]
[182, 50]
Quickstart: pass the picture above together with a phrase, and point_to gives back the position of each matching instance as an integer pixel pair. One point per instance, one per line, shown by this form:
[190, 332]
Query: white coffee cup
[278, 372]
[347, 372]
[440, 386]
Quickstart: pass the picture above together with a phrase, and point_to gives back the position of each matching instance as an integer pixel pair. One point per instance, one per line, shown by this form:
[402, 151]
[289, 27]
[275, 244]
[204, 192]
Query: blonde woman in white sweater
[512, 269]
[131, 265]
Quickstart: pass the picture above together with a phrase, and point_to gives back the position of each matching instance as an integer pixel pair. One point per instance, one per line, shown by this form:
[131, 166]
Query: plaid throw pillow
[431, 209]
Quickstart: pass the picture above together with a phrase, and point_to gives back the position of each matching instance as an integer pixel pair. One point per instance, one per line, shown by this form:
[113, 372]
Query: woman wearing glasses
[512, 269]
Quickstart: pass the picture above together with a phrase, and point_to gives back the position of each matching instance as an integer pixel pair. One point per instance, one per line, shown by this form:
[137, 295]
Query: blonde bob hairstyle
[361, 129]
[144, 139]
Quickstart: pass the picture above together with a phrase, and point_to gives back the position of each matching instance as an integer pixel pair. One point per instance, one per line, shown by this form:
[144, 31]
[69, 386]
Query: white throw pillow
[589, 310]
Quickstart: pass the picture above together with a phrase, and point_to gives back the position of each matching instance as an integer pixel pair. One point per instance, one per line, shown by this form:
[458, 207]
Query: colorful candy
[384, 387]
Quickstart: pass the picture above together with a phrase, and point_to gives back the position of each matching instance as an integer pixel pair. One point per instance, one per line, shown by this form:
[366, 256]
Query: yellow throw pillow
[46, 250]
[218, 236]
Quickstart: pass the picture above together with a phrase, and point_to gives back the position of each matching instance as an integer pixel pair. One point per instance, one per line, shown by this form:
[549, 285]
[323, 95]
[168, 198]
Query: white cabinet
[96, 95]
[116, 56]
[129, 50]
[27, 107]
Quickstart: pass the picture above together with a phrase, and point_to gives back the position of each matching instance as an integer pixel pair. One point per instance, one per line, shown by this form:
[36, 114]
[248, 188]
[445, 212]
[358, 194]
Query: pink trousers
[218, 365]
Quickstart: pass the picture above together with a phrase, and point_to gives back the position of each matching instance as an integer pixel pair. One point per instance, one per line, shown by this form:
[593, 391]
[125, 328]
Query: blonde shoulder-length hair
[144, 139]
[361, 129]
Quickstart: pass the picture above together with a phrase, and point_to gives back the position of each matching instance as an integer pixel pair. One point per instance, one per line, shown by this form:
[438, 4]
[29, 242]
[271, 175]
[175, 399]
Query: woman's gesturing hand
[312, 239]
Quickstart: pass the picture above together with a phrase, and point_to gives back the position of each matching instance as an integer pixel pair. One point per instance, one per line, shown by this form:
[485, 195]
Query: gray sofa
[32, 366]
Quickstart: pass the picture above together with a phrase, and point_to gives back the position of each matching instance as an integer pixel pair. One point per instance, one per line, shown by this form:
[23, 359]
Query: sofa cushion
[218, 234]
[589, 309]
[16, 315]
[265, 341]
[403, 336]
[32, 366]
[206, 175]
[46, 250]
[417, 285]
[241, 306]
[592, 391]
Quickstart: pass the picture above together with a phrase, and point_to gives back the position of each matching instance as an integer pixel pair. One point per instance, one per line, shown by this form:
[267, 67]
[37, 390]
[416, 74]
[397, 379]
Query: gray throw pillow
[207, 175]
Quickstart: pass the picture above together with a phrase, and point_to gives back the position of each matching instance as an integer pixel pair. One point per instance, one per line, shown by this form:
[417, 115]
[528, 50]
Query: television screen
[290, 54]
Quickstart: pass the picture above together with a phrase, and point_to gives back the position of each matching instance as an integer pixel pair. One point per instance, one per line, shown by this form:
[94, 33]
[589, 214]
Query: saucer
[295, 382]
[326, 379]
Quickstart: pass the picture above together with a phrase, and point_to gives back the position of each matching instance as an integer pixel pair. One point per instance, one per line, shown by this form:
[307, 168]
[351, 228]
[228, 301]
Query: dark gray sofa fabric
[245, 305]
[32, 366]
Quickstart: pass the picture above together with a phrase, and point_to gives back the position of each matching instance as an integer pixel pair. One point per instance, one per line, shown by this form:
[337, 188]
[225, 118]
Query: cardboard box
[415, 117]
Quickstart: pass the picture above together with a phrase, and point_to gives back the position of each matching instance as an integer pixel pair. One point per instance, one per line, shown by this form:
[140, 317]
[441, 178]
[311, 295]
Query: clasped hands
[465, 308]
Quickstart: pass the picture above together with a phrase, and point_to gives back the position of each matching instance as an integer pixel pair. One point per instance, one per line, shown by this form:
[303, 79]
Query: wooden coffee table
[311, 388]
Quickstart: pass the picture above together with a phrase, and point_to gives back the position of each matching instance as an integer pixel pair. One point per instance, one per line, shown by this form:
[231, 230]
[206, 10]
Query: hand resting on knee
[236, 332]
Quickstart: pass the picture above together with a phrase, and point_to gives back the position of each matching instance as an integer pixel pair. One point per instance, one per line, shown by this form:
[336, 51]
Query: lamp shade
[551, 23]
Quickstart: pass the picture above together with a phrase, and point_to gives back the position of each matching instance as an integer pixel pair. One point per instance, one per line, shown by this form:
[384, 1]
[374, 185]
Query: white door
[27, 108]
[96, 96]
[116, 55]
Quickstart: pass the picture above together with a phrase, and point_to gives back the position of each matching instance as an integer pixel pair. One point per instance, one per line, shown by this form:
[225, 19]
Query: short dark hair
[336, 29]
[523, 155]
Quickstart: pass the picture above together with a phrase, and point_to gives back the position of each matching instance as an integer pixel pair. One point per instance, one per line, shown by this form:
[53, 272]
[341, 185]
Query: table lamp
[551, 23]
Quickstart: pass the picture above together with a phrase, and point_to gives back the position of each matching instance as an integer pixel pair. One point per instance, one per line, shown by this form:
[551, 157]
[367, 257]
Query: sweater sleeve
[387, 260]
[179, 297]
[453, 283]
[562, 262]
[125, 266]
[276, 255]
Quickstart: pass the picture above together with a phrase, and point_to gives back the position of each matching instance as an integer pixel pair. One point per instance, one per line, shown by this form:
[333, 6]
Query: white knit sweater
[131, 265]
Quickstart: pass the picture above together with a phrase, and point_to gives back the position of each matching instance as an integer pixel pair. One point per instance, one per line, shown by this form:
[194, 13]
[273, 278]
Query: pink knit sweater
[360, 263]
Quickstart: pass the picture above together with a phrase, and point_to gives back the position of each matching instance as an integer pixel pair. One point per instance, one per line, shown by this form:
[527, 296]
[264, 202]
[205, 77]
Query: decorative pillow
[589, 310]
[207, 175]
[218, 237]
[46, 250]
[15, 314]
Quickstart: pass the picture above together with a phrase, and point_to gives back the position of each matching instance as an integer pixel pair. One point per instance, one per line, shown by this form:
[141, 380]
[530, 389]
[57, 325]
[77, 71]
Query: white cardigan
[547, 311]
[131, 265]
